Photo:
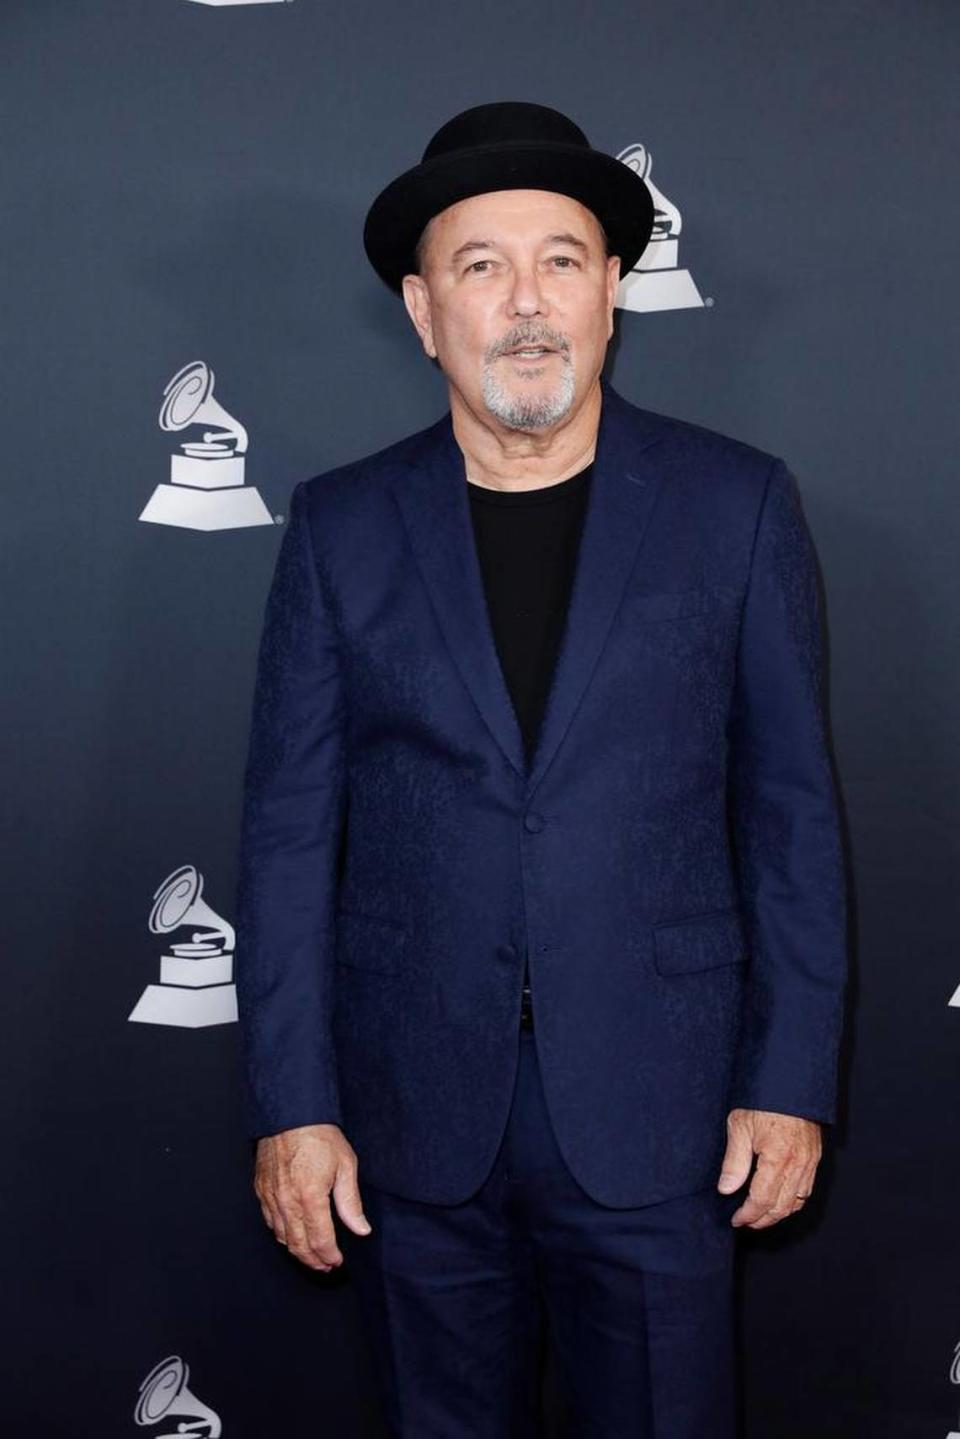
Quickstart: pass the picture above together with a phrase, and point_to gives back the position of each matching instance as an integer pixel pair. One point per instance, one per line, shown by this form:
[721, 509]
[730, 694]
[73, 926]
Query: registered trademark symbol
[708, 300]
[279, 519]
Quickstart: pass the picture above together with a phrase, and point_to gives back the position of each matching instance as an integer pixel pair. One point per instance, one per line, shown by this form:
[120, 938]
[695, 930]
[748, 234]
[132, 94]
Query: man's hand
[296, 1171]
[788, 1151]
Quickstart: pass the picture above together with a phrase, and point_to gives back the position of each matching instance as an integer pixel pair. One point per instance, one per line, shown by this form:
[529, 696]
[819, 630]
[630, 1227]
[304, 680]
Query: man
[541, 901]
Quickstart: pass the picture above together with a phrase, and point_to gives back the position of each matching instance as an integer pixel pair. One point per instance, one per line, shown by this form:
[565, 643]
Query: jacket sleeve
[293, 808]
[785, 826]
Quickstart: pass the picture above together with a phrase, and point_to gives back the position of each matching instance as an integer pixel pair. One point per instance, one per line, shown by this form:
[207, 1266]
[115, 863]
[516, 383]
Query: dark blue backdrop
[185, 182]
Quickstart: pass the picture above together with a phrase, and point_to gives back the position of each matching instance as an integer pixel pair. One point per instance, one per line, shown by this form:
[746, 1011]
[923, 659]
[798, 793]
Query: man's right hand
[296, 1171]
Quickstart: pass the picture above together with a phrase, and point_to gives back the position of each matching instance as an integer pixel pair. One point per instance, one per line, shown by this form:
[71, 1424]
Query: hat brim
[615, 193]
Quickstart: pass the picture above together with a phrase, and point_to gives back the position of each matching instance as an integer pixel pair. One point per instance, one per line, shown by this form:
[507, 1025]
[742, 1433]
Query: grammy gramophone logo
[954, 1002]
[196, 986]
[955, 1379]
[656, 281]
[164, 1396]
[206, 489]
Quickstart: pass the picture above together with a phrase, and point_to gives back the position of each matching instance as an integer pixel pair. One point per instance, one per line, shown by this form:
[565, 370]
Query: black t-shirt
[527, 543]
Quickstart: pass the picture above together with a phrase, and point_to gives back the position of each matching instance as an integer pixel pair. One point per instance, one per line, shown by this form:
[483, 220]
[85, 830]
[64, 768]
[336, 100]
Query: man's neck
[499, 458]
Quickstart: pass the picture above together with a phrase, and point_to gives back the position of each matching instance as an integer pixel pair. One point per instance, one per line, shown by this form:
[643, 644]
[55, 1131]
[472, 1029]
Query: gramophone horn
[188, 400]
[178, 900]
[184, 394]
[164, 1392]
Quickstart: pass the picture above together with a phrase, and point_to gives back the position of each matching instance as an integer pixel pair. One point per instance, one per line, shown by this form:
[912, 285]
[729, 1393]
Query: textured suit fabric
[668, 858]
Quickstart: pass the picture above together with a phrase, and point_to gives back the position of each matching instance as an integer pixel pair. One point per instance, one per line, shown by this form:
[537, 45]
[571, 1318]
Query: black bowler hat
[506, 146]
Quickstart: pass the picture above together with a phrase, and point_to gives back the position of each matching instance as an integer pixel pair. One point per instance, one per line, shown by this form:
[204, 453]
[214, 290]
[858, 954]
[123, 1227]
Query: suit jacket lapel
[432, 494]
[623, 490]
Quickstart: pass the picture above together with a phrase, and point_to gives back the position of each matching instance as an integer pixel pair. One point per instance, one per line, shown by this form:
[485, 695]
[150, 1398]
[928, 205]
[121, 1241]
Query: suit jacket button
[533, 822]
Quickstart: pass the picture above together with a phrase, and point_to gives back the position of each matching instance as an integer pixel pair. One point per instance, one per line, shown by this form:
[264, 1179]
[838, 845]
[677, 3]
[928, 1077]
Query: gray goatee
[533, 412]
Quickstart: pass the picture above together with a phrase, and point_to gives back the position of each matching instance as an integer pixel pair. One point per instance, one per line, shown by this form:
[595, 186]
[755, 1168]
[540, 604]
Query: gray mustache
[531, 340]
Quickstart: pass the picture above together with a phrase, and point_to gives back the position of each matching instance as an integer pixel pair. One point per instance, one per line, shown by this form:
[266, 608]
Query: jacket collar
[432, 494]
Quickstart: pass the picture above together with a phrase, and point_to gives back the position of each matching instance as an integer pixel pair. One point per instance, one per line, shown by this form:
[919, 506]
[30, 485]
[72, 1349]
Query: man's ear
[613, 281]
[417, 300]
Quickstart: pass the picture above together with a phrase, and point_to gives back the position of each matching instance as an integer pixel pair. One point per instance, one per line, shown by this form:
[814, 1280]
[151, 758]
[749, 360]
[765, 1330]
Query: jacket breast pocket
[660, 605]
[699, 942]
[368, 942]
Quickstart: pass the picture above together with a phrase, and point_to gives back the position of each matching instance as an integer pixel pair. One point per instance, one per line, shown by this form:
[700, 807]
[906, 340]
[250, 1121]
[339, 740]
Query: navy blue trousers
[637, 1302]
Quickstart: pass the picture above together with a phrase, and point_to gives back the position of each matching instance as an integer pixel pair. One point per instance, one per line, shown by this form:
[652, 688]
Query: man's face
[516, 269]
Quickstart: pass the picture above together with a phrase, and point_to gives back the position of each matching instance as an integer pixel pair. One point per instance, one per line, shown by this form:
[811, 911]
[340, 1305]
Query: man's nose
[526, 293]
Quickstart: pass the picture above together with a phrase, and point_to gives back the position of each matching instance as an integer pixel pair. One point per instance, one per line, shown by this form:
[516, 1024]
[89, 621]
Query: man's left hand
[788, 1150]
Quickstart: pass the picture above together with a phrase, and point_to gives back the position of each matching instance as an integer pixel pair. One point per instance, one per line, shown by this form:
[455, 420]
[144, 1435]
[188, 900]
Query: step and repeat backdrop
[192, 328]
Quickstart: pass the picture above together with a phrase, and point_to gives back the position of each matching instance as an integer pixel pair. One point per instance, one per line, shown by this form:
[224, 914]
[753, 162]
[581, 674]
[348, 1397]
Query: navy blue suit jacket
[670, 859]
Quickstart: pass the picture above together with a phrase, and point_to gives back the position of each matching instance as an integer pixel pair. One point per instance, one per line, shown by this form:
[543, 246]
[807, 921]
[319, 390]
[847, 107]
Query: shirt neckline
[543, 494]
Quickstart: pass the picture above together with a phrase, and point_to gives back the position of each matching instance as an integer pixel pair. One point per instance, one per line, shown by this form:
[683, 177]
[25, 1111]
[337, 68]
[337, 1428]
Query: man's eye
[565, 259]
[476, 263]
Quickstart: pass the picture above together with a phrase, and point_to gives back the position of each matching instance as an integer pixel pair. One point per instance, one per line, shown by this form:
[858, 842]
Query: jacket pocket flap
[365, 941]
[678, 604]
[704, 941]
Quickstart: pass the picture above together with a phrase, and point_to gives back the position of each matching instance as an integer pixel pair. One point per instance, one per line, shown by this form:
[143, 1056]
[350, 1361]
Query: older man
[541, 899]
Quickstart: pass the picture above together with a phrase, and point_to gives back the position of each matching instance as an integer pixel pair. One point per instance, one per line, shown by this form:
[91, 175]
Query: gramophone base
[190, 509]
[186, 1008]
[647, 290]
[215, 969]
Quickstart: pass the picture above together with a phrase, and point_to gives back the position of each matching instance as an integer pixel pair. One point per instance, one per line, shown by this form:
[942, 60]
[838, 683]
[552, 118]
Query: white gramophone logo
[955, 1379]
[954, 1003]
[206, 489]
[164, 1393]
[656, 282]
[196, 986]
